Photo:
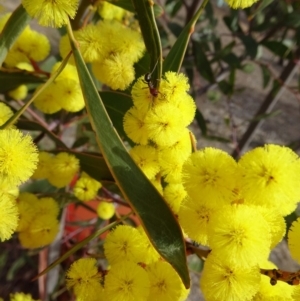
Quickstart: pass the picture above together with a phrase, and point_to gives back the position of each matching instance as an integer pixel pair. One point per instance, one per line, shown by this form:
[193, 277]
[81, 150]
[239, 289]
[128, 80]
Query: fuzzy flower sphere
[21, 297]
[83, 277]
[294, 241]
[210, 174]
[86, 188]
[270, 177]
[194, 217]
[106, 210]
[5, 113]
[18, 156]
[8, 216]
[127, 281]
[165, 284]
[240, 235]
[240, 3]
[51, 13]
[64, 167]
[221, 281]
[124, 244]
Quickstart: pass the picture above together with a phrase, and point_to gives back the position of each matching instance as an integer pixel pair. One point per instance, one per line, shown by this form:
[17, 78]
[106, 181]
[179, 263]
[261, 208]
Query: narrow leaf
[13, 28]
[202, 63]
[266, 75]
[154, 214]
[175, 57]
[146, 17]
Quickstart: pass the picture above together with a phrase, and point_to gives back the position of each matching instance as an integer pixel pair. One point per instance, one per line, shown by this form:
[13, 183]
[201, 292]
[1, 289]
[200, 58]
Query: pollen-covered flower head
[51, 13]
[41, 232]
[221, 280]
[270, 177]
[174, 86]
[30, 45]
[276, 223]
[174, 194]
[86, 188]
[210, 174]
[145, 156]
[21, 297]
[8, 216]
[126, 281]
[135, 127]
[164, 124]
[64, 167]
[18, 156]
[90, 42]
[124, 244]
[165, 284]
[109, 11]
[69, 94]
[27, 204]
[5, 113]
[141, 96]
[47, 101]
[43, 166]
[294, 241]
[115, 71]
[240, 3]
[239, 235]
[194, 218]
[106, 210]
[84, 279]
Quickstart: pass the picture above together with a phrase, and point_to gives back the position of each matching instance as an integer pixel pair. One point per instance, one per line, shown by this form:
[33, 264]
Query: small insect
[147, 78]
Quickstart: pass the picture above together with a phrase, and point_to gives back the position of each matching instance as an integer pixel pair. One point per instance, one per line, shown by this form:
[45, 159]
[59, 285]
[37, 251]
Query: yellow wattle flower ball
[27, 204]
[135, 126]
[270, 177]
[43, 167]
[240, 3]
[194, 218]
[165, 283]
[8, 216]
[213, 172]
[84, 279]
[109, 11]
[51, 13]
[239, 235]
[117, 72]
[126, 281]
[86, 188]
[18, 156]
[106, 210]
[64, 167]
[221, 281]
[21, 297]
[293, 240]
[164, 125]
[124, 243]
[5, 113]
[30, 45]
[41, 232]
[145, 156]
